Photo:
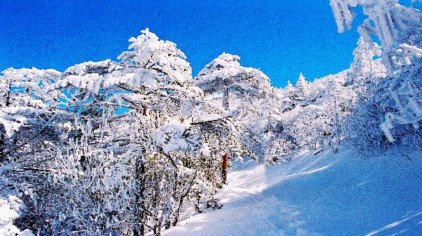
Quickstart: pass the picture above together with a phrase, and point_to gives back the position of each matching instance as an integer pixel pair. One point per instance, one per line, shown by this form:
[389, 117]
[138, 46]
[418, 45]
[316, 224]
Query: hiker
[225, 166]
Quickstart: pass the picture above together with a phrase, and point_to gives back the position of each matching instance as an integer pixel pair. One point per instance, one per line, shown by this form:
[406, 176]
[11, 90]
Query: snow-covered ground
[10, 208]
[326, 194]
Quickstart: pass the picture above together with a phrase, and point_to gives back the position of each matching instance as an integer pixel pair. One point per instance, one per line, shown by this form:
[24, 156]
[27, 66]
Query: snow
[170, 137]
[9, 210]
[326, 194]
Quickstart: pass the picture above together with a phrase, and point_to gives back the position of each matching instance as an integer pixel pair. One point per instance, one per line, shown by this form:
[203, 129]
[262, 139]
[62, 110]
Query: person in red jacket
[225, 166]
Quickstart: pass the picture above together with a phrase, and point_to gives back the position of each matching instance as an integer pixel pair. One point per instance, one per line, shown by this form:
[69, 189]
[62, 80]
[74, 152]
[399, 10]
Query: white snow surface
[325, 194]
[9, 210]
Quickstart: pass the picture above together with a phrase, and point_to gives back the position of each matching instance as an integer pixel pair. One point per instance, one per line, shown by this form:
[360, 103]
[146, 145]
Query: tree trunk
[181, 200]
[173, 213]
[140, 197]
[226, 99]
[2, 143]
[8, 95]
[3, 129]
[157, 230]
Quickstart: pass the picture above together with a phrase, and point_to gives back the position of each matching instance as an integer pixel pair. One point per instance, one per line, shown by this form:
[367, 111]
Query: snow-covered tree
[225, 75]
[162, 58]
[399, 29]
[30, 134]
[395, 25]
[301, 82]
[26, 95]
[317, 120]
[139, 146]
[365, 66]
[301, 88]
[28, 114]
[246, 94]
[288, 95]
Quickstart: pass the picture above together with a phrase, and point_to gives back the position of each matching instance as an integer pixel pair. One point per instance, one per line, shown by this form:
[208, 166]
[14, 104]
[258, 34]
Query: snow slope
[326, 194]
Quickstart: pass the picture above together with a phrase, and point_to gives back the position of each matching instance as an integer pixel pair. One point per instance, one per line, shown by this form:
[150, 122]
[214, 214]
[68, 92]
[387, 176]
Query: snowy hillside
[325, 194]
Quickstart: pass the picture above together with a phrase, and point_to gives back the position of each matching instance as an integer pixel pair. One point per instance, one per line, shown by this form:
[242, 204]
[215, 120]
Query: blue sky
[281, 37]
